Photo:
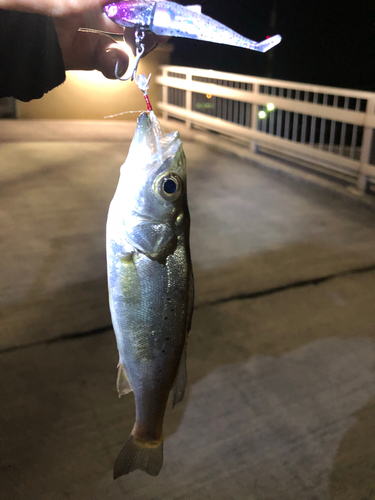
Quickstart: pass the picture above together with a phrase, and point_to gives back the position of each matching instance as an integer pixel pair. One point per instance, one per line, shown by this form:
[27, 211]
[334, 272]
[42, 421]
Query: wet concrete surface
[281, 391]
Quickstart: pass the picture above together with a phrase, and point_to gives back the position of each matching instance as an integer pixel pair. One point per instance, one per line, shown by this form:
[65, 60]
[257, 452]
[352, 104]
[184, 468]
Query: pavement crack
[232, 298]
[287, 286]
[60, 338]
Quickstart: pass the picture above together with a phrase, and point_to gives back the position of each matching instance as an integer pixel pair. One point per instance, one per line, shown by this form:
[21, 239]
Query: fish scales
[150, 286]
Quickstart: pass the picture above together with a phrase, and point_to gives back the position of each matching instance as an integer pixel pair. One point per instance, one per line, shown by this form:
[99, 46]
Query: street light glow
[270, 106]
[262, 114]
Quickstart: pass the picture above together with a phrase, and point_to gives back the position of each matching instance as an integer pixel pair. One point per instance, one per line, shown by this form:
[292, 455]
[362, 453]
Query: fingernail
[121, 67]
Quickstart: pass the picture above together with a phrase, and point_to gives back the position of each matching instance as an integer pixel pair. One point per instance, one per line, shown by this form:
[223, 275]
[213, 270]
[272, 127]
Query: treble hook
[131, 72]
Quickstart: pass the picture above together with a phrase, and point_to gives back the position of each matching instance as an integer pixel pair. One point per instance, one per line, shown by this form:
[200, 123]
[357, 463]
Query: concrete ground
[281, 360]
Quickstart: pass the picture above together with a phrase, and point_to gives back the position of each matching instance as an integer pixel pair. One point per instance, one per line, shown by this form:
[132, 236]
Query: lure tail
[172, 19]
[137, 454]
[268, 43]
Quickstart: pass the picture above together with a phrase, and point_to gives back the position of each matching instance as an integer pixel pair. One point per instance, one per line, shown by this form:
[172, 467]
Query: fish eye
[168, 186]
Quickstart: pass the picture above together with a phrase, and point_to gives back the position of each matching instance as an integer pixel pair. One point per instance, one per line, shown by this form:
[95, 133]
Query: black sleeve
[31, 62]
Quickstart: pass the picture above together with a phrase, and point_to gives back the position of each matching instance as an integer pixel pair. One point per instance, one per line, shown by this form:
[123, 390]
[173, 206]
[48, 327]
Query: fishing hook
[131, 72]
[139, 51]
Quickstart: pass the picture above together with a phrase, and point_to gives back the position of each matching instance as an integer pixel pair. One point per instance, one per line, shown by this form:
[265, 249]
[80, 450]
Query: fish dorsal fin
[195, 8]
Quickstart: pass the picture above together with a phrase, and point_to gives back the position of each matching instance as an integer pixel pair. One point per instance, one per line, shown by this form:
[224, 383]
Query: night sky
[327, 42]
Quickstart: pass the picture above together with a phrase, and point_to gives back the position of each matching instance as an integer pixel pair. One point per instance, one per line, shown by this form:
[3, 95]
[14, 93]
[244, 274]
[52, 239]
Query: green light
[270, 106]
[262, 114]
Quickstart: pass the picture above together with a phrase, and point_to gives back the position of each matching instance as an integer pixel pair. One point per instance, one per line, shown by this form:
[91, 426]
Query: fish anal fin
[122, 382]
[179, 385]
[138, 454]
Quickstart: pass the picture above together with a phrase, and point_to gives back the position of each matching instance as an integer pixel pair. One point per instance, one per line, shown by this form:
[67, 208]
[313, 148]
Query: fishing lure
[171, 19]
[166, 18]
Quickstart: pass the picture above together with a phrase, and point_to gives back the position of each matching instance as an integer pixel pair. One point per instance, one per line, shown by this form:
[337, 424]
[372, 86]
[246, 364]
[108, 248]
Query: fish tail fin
[138, 454]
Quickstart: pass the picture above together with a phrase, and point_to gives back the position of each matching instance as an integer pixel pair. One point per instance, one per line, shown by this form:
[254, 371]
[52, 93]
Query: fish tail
[139, 454]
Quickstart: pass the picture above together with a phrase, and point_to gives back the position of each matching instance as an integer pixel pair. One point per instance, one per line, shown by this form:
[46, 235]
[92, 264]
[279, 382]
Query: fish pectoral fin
[150, 238]
[179, 385]
[122, 382]
[127, 258]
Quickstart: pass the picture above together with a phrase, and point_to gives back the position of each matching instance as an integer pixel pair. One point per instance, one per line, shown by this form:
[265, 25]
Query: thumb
[107, 56]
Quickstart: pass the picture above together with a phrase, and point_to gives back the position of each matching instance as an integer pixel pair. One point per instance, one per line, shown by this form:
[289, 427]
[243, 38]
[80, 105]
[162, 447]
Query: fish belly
[149, 306]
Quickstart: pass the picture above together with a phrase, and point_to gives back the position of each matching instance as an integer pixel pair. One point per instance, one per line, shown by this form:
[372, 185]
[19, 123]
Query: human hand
[54, 8]
[85, 51]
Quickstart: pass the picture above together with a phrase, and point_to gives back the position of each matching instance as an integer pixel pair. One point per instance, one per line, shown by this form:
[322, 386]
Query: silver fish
[171, 19]
[150, 284]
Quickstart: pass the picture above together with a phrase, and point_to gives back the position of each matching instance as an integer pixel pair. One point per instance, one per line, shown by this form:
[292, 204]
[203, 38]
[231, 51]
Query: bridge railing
[328, 127]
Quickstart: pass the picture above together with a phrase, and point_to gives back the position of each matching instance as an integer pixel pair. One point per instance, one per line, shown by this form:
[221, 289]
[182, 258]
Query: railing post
[254, 119]
[164, 95]
[188, 99]
[178, 97]
[363, 178]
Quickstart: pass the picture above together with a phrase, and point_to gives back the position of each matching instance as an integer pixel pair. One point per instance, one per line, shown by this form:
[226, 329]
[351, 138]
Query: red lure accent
[149, 107]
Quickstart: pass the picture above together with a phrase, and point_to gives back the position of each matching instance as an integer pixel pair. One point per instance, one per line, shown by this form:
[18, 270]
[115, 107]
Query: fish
[151, 286]
[166, 18]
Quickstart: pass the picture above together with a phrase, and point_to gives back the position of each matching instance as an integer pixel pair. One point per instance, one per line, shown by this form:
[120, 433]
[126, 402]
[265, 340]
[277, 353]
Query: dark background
[327, 42]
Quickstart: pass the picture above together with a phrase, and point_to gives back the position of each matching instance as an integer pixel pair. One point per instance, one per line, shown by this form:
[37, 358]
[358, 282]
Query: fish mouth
[144, 120]
[150, 140]
[146, 143]
[144, 127]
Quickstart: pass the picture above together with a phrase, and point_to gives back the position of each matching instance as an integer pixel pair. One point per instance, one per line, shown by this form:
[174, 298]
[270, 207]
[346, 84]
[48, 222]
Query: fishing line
[142, 83]
[124, 113]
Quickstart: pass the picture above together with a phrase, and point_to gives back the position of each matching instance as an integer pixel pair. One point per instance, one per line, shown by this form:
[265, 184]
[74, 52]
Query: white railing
[329, 127]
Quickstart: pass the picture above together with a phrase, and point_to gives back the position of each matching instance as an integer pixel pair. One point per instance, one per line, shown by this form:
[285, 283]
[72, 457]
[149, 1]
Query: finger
[107, 56]
[96, 19]
[78, 49]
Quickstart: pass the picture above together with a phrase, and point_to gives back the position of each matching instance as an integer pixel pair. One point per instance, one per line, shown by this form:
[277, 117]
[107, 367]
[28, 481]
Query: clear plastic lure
[171, 19]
